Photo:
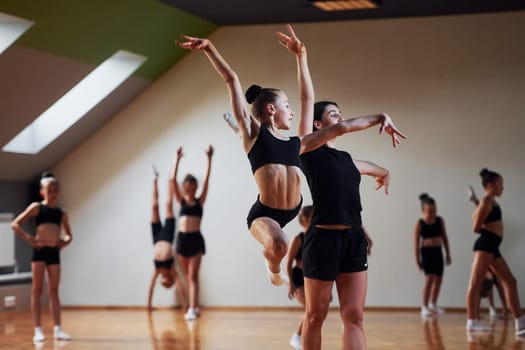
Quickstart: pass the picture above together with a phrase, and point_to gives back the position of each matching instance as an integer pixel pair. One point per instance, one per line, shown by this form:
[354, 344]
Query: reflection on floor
[236, 329]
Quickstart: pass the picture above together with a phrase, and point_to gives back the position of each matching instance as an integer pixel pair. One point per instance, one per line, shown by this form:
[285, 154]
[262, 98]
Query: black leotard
[48, 214]
[494, 215]
[334, 183]
[430, 230]
[191, 210]
[269, 149]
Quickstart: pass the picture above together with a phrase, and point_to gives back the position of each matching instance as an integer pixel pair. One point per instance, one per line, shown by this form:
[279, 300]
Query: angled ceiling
[67, 41]
[233, 12]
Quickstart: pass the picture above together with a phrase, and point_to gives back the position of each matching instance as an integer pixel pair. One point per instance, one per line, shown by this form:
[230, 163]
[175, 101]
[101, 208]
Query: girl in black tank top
[487, 254]
[190, 246]
[429, 255]
[46, 256]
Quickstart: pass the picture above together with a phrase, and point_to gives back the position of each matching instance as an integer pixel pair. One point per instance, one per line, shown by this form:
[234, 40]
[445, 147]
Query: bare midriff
[163, 251]
[494, 227]
[48, 234]
[189, 224]
[431, 242]
[279, 186]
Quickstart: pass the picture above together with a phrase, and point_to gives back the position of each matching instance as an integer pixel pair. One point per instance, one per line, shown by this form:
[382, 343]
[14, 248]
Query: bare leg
[155, 217]
[38, 269]
[434, 291]
[351, 288]
[426, 289]
[501, 293]
[299, 296]
[184, 265]
[182, 292]
[317, 298]
[275, 243]
[480, 266]
[500, 267]
[193, 280]
[53, 275]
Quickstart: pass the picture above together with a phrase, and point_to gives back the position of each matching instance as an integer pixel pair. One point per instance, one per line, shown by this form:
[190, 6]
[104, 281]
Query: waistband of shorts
[490, 233]
[190, 233]
[437, 247]
[298, 206]
[351, 229]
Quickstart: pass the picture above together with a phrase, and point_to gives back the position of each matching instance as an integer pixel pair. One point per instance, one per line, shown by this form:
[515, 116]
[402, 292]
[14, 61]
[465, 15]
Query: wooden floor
[266, 330]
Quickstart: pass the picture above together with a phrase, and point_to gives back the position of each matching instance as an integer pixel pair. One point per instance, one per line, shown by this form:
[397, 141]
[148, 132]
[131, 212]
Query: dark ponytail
[259, 97]
[426, 199]
[488, 176]
[320, 108]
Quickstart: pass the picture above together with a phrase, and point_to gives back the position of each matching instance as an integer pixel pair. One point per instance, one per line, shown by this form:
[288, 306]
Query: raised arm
[292, 252]
[380, 175]
[320, 137]
[417, 244]
[480, 214]
[67, 230]
[306, 88]
[204, 194]
[173, 175]
[152, 288]
[444, 238]
[16, 224]
[237, 98]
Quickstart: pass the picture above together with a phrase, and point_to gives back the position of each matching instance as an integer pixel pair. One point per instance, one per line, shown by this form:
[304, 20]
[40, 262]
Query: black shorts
[190, 244]
[297, 277]
[165, 233]
[327, 253]
[432, 260]
[259, 210]
[49, 255]
[488, 242]
[167, 264]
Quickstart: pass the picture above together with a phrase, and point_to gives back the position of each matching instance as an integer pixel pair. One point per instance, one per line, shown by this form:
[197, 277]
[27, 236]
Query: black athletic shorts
[297, 277]
[432, 259]
[488, 242]
[259, 210]
[190, 244]
[167, 264]
[49, 255]
[165, 233]
[327, 253]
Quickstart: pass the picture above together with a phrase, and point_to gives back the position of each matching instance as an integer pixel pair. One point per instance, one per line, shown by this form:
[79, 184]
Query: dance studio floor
[234, 329]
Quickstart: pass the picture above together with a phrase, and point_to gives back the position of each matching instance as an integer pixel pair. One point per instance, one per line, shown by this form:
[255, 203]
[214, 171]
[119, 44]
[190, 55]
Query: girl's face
[429, 211]
[167, 280]
[283, 113]
[496, 188]
[189, 188]
[331, 116]
[305, 221]
[50, 192]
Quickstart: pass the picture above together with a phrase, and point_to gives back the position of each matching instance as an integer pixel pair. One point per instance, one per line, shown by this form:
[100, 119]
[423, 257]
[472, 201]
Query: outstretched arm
[380, 175]
[173, 175]
[232, 82]
[320, 137]
[151, 288]
[204, 194]
[306, 89]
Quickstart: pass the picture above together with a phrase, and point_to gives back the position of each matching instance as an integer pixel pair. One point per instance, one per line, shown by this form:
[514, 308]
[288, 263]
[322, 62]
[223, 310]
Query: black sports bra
[430, 230]
[494, 215]
[268, 149]
[48, 214]
[191, 210]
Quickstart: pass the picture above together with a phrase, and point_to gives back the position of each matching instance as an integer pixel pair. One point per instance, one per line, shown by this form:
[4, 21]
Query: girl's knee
[316, 317]
[352, 315]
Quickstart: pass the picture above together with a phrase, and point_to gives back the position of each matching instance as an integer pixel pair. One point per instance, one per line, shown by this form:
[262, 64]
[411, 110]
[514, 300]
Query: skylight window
[11, 28]
[71, 107]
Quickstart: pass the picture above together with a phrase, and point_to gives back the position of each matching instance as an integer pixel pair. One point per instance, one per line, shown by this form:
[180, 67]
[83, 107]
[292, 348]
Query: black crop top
[334, 183]
[268, 149]
[494, 215]
[48, 214]
[299, 255]
[430, 230]
[191, 210]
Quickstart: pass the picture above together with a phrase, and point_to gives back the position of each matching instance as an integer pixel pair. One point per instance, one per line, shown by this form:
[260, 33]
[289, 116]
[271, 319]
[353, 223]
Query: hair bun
[252, 93]
[47, 174]
[483, 172]
[424, 196]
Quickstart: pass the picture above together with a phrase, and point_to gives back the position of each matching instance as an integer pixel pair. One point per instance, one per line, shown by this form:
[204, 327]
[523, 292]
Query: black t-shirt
[334, 183]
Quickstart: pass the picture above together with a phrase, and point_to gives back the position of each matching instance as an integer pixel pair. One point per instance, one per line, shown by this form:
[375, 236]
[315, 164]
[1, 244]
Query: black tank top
[193, 210]
[334, 183]
[299, 255]
[48, 215]
[268, 149]
[494, 215]
[430, 230]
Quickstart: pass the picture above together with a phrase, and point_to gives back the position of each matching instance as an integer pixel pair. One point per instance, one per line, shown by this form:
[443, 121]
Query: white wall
[455, 85]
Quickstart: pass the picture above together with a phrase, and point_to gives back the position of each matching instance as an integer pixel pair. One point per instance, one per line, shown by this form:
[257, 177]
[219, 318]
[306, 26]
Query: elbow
[14, 226]
[231, 78]
[477, 228]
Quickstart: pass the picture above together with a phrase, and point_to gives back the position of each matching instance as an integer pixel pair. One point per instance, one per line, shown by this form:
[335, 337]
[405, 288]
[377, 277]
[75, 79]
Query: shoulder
[34, 207]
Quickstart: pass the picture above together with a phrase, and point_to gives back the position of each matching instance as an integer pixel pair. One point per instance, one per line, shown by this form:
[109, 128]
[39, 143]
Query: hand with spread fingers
[291, 42]
[192, 43]
[388, 126]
